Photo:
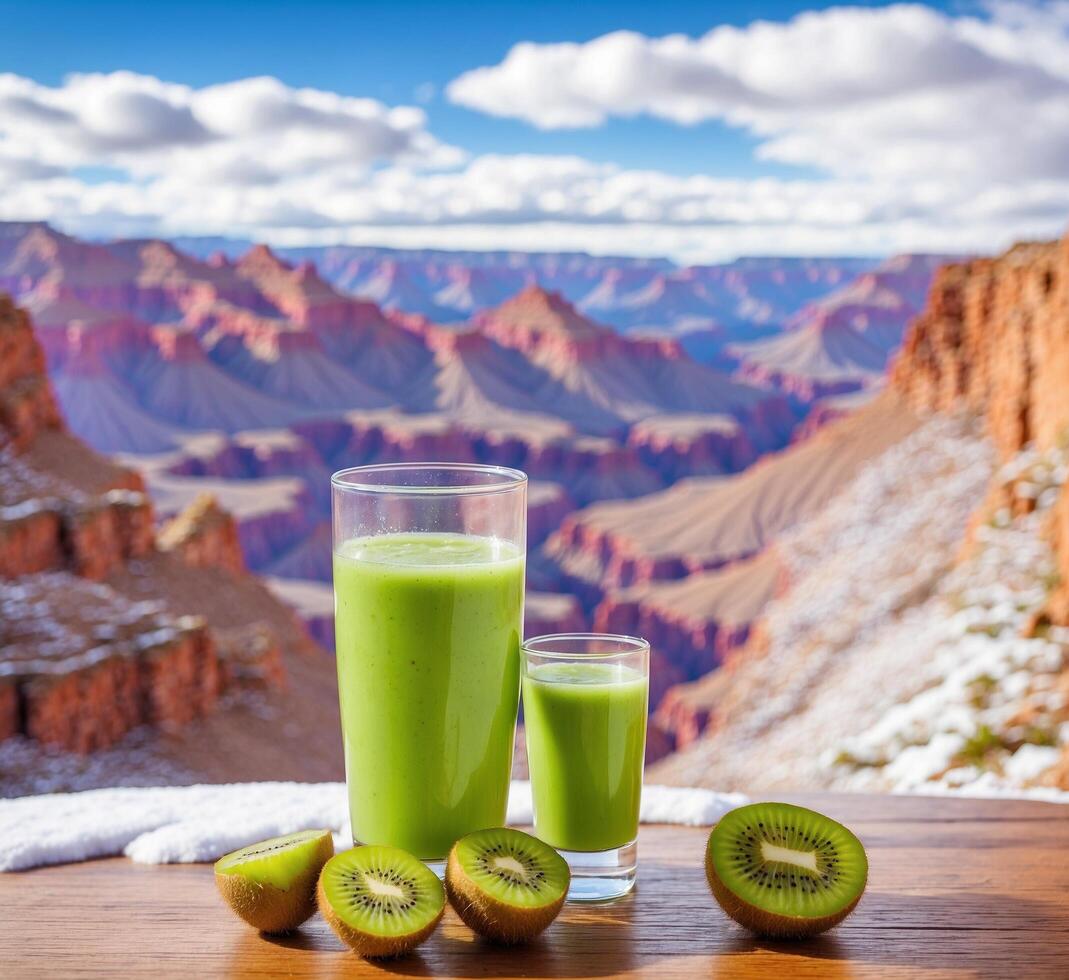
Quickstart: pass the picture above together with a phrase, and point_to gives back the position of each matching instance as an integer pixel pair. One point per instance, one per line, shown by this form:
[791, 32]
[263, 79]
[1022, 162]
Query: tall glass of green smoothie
[585, 698]
[428, 595]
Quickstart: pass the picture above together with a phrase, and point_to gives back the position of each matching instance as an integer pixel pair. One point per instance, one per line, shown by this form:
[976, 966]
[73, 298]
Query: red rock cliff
[205, 536]
[27, 405]
[104, 627]
[995, 338]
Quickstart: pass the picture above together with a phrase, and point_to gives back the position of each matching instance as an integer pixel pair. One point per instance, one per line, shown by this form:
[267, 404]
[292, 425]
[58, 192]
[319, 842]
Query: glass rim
[349, 480]
[629, 645]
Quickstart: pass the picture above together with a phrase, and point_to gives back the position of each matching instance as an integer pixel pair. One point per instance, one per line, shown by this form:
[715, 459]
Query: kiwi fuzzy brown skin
[370, 946]
[764, 923]
[490, 918]
[274, 910]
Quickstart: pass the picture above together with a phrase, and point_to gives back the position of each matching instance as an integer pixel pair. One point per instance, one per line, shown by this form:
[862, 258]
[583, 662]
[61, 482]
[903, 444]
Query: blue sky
[389, 50]
[408, 53]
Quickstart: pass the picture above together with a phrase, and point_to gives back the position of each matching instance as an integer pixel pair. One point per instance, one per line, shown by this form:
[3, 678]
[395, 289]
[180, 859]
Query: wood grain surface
[957, 888]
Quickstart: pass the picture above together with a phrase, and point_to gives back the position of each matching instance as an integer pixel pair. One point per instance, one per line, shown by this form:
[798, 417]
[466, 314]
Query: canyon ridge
[692, 435]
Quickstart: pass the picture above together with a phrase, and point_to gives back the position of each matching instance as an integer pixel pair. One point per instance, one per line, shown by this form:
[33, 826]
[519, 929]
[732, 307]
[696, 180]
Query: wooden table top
[957, 888]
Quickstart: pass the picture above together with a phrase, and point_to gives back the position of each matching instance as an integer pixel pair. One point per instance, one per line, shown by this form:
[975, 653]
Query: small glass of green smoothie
[428, 598]
[585, 699]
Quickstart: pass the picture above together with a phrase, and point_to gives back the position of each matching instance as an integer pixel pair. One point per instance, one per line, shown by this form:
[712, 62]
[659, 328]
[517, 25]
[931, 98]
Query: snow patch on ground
[979, 706]
[27, 767]
[841, 647]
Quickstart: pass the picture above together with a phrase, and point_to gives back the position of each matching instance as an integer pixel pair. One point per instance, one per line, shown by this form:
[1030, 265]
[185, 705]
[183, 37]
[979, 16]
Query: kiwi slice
[505, 884]
[271, 885]
[785, 871]
[380, 900]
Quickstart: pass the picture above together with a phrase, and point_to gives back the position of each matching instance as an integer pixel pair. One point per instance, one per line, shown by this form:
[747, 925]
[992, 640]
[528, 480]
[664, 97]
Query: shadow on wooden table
[301, 939]
[585, 942]
[954, 933]
[983, 935]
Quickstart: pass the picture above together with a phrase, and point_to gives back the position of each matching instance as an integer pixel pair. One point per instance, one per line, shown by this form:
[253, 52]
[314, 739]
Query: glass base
[602, 876]
[438, 867]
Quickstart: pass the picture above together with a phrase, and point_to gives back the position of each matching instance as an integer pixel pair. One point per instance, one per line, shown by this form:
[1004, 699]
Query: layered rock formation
[250, 368]
[629, 378]
[921, 641]
[855, 627]
[250, 376]
[27, 406]
[86, 665]
[703, 524]
[842, 342]
[734, 300]
[994, 339]
[203, 535]
[61, 507]
[106, 627]
[691, 568]
[693, 624]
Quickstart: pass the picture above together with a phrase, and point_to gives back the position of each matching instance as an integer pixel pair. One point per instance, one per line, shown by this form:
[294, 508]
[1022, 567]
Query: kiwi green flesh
[279, 861]
[381, 891]
[513, 867]
[789, 862]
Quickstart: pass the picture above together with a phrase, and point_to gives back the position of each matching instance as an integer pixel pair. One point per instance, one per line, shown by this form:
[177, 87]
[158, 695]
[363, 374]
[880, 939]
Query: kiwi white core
[507, 862]
[379, 887]
[785, 855]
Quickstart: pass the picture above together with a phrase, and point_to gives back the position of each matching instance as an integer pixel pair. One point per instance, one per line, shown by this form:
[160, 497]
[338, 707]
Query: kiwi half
[380, 900]
[505, 884]
[784, 871]
[271, 885]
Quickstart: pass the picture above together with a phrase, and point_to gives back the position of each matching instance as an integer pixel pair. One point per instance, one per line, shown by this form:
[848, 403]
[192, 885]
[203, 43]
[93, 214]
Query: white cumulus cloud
[926, 132]
[896, 92]
[255, 130]
[554, 202]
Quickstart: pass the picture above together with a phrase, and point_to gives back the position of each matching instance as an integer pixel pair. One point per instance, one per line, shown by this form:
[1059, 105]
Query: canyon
[737, 300]
[938, 668]
[113, 628]
[842, 342]
[668, 449]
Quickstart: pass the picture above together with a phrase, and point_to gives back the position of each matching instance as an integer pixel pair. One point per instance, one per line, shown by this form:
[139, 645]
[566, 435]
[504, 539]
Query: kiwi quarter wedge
[506, 885]
[271, 885]
[380, 900]
[784, 871]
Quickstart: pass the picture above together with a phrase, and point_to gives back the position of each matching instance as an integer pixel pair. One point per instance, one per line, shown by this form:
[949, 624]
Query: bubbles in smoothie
[422, 550]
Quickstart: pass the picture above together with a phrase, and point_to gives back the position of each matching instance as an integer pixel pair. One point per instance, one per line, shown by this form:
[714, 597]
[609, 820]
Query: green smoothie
[586, 734]
[428, 632]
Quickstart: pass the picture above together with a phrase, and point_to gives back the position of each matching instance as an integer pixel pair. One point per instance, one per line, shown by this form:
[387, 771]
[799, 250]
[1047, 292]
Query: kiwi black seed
[785, 871]
[272, 885]
[381, 901]
[506, 885]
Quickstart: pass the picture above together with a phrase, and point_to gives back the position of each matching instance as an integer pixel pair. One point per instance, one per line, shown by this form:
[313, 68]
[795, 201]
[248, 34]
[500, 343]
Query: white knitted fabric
[166, 825]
